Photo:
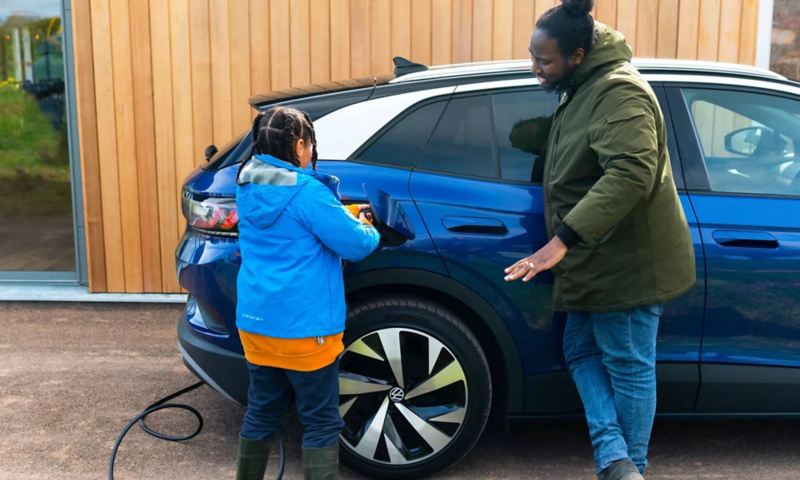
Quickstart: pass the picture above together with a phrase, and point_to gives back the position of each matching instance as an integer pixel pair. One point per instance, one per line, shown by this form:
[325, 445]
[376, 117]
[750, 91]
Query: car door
[478, 189]
[473, 189]
[379, 172]
[740, 148]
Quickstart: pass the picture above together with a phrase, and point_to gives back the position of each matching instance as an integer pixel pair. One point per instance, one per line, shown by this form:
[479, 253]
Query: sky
[37, 8]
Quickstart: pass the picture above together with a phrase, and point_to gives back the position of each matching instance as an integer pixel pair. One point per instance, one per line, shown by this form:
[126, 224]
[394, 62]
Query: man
[620, 246]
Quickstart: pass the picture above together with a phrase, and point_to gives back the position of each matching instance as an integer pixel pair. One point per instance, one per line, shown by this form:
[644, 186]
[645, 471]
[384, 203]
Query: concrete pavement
[71, 375]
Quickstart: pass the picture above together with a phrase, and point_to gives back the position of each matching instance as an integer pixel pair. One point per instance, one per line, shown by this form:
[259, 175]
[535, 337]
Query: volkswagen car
[437, 343]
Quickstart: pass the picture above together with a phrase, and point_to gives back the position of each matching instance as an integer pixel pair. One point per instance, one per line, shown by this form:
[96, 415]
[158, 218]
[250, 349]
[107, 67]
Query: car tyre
[415, 388]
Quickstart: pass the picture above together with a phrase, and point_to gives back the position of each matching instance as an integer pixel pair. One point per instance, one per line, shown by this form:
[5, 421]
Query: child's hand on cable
[361, 211]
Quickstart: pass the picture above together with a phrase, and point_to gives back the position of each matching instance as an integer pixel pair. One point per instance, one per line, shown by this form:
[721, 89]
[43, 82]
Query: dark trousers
[316, 394]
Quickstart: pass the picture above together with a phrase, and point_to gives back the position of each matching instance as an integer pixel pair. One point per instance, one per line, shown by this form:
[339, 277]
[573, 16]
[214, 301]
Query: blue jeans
[612, 357]
[316, 394]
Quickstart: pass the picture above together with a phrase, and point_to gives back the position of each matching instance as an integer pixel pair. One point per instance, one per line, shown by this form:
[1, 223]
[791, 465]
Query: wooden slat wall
[89, 145]
[158, 80]
[167, 214]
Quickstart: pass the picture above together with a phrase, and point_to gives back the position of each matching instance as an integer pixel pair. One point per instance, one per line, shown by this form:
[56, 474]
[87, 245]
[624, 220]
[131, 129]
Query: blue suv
[436, 340]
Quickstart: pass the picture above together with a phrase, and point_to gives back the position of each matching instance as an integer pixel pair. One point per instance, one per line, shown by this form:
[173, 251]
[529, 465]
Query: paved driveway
[71, 375]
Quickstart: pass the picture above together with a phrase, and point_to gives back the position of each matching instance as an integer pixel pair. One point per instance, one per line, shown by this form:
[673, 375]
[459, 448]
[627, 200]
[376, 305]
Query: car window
[748, 140]
[522, 122]
[403, 142]
[462, 142]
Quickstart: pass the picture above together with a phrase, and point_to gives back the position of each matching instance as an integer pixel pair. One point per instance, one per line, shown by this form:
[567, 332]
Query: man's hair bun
[578, 8]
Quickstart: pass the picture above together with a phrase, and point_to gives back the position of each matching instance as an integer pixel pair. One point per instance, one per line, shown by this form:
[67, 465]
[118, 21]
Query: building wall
[158, 80]
[785, 53]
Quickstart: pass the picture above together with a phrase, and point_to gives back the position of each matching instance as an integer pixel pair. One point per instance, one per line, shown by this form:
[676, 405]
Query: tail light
[213, 215]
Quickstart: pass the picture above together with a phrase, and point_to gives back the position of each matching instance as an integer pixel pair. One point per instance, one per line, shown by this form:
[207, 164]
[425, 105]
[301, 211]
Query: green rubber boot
[253, 456]
[321, 463]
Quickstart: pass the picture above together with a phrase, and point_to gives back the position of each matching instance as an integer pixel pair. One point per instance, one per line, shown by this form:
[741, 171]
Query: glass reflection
[36, 232]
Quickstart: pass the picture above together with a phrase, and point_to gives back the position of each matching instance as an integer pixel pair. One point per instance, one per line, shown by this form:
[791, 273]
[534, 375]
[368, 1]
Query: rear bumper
[222, 370]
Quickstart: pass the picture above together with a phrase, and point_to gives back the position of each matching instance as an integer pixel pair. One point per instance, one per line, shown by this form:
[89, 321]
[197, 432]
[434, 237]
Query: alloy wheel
[403, 396]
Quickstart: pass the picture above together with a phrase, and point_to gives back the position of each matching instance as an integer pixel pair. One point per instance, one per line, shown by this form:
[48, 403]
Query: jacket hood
[609, 48]
[279, 183]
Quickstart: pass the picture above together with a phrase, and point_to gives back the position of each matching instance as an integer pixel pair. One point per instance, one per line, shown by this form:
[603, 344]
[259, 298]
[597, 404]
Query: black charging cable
[162, 404]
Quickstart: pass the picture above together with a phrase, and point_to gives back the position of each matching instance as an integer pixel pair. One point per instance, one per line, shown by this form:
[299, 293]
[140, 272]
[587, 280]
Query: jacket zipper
[550, 156]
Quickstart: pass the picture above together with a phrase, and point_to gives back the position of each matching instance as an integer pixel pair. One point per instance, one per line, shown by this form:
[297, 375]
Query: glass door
[37, 231]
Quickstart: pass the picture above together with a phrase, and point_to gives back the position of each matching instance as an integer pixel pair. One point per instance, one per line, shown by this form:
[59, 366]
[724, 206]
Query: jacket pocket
[624, 114]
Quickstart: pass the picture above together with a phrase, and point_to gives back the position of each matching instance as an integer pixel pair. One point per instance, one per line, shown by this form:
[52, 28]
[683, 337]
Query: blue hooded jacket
[293, 234]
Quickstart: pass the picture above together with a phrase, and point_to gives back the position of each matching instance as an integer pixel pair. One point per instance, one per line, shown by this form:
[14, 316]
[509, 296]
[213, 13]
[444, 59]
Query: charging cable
[162, 404]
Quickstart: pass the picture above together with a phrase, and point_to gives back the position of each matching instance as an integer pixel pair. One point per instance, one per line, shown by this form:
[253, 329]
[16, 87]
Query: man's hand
[546, 258]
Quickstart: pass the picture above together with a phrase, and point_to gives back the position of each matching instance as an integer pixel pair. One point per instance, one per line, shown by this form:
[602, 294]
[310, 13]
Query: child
[293, 234]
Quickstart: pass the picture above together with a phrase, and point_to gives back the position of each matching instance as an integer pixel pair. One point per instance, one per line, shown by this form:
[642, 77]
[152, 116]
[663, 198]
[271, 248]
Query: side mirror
[746, 141]
[210, 151]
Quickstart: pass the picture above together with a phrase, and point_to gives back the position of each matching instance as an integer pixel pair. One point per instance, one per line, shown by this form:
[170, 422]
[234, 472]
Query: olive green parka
[607, 176]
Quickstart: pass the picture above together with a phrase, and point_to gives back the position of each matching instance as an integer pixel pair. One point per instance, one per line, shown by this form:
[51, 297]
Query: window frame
[673, 147]
[79, 274]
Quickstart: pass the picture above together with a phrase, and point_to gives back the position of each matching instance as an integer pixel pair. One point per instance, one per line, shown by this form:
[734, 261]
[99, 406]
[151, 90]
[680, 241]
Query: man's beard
[562, 84]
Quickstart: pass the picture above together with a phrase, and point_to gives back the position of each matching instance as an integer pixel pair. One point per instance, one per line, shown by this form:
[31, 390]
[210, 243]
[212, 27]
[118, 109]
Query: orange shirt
[300, 354]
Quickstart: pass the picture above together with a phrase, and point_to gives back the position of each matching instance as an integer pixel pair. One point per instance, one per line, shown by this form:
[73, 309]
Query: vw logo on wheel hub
[397, 394]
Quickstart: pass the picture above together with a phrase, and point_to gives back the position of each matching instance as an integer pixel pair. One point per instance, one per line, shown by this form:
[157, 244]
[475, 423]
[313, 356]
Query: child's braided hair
[277, 130]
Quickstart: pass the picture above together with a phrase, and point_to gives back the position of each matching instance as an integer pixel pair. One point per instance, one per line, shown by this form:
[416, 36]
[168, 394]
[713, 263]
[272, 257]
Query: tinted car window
[462, 142]
[522, 123]
[748, 141]
[402, 143]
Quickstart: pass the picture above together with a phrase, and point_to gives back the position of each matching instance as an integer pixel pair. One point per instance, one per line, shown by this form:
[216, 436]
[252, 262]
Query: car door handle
[476, 225]
[743, 239]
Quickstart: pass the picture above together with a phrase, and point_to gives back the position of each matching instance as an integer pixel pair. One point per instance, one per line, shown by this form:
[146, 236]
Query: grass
[34, 165]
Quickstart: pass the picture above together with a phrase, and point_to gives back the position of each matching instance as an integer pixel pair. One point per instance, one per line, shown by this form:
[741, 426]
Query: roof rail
[404, 66]
[645, 64]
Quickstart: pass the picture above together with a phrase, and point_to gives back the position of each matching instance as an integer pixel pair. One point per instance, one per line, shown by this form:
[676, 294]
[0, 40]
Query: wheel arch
[505, 365]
